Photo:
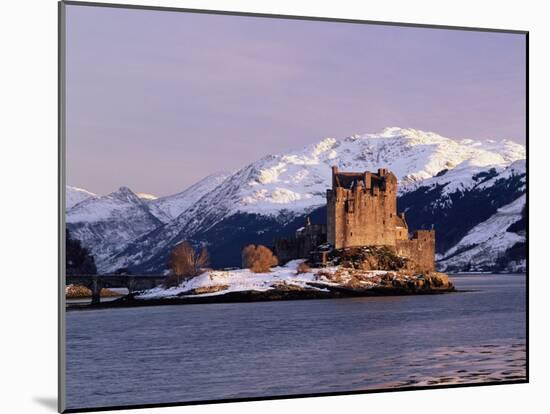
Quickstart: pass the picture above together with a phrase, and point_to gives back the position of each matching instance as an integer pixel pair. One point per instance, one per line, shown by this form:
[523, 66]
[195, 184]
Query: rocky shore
[287, 283]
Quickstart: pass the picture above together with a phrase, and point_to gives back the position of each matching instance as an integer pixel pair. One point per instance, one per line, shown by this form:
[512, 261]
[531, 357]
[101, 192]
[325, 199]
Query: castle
[362, 211]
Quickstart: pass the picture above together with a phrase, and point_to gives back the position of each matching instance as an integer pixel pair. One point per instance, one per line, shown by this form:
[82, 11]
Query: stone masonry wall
[363, 215]
[420, 249]
[302, 244]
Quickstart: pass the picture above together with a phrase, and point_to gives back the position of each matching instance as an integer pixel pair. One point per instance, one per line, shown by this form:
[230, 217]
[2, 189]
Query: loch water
[164, 354]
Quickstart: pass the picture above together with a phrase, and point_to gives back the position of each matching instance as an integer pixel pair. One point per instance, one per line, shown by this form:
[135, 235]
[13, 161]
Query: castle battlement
[344, 183]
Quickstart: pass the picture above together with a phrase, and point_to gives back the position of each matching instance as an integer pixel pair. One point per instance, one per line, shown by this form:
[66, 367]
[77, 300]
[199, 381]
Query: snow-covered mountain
[270, 197]
[469, 209]
[295, 182]
[74, 195]
[464, 177]
[485, 243]
[169, 207]
[298, 180]
[105, 224]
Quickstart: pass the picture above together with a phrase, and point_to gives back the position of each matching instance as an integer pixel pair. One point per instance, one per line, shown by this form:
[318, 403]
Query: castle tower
[362, 209]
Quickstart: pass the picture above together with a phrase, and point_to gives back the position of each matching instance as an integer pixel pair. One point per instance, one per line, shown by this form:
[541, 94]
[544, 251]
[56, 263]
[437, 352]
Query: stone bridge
[131, 282]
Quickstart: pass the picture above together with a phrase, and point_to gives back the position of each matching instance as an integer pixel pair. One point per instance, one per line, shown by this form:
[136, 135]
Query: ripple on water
[466, 365]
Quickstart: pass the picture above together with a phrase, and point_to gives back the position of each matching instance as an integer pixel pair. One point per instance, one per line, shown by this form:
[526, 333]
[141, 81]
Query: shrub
[303, 268]
[258, 259]
[185, 263]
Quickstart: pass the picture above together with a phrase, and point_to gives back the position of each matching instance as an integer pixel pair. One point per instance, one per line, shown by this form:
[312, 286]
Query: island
[364, 249]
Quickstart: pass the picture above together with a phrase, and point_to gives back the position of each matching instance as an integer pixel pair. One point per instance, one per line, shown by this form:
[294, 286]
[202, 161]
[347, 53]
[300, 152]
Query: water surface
[181, 353]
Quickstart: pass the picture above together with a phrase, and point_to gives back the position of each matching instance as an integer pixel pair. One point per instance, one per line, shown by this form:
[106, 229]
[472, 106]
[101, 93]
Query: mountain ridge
[286, 186]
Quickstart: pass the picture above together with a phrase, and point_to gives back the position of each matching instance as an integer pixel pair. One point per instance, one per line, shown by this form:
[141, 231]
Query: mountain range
[472, 192]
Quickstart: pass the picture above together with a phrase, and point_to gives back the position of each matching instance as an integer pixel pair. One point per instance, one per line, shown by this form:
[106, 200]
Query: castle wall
[363, 215]
[286, 249]
[302, 244]
[401, 233]
[420, 249]
[331, 217]
[401, 227]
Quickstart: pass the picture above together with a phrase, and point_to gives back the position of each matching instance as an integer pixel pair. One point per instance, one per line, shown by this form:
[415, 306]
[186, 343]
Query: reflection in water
[216, 351]
[463, 365]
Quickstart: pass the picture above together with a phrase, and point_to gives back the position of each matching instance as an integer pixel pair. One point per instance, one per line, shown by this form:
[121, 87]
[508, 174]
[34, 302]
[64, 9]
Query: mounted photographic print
[262, 206]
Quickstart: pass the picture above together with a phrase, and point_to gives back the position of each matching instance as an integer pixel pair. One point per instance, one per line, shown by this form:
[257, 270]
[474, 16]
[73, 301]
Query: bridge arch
[133, 283]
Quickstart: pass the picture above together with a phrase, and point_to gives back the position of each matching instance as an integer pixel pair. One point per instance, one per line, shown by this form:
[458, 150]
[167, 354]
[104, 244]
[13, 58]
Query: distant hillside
[453, 185]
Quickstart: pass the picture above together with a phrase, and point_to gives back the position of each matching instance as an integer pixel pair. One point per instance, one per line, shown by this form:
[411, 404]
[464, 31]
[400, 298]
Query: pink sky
[157, 100]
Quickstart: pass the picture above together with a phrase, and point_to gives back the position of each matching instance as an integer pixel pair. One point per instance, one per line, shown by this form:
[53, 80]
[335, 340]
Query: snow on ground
[240, 280]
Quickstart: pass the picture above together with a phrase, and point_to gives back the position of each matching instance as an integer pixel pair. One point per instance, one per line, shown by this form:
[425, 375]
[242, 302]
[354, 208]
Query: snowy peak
[105, 224]
[170, 207]
[466, 177]
[75, 195]
[287, 185]
[101, 208]
[124, 194]
[124, 227]
[427, 153]
[299, 179]
[505, 149]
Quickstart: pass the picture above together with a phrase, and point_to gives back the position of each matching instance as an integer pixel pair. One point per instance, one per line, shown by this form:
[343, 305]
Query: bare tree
[258, 259]
[186, 263]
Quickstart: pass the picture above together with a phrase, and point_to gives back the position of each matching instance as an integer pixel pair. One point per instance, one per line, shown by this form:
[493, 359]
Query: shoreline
[75, 297]
[248, 296]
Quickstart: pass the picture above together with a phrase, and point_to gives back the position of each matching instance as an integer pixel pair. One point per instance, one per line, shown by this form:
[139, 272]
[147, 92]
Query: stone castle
[362, 211]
